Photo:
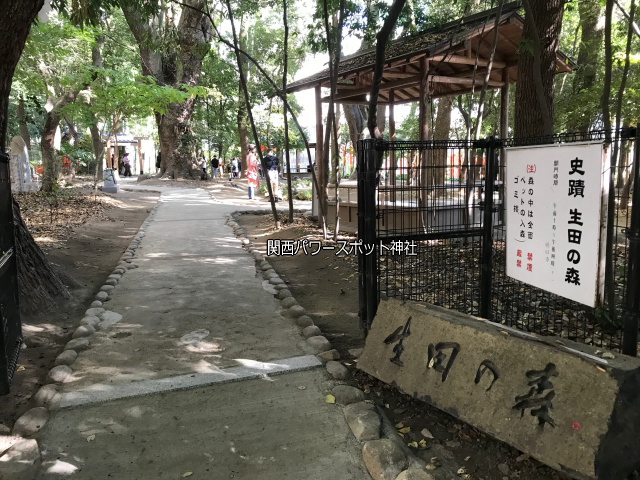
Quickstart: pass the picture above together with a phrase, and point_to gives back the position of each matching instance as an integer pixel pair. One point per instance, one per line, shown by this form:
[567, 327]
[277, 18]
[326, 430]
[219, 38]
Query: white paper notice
[554, 197]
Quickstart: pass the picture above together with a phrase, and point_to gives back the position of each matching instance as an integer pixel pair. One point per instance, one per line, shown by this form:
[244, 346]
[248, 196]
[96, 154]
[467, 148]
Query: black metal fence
[440, 236]
[11, 333]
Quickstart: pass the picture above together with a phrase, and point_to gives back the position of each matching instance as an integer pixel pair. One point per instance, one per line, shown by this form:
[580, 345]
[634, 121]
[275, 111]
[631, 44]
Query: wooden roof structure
[457, 53]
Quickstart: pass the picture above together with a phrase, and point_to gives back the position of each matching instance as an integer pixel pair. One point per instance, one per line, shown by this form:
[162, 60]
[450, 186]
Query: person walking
[251, 172]
[203, 166]
[215, 165]
[234, 167]
[127, 165]
[271, 161]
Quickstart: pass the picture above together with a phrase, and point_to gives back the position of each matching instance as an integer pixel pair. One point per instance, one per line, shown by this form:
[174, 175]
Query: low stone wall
[569, 405]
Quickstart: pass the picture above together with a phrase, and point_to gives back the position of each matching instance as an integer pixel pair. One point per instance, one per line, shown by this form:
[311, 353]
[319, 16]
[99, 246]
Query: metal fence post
[486, 262]
[632, 304]
[362, 282]
[370, 234]
[10, 324]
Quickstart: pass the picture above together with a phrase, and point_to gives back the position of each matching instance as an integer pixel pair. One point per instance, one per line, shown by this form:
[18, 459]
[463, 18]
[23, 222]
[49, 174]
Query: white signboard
[555, 210]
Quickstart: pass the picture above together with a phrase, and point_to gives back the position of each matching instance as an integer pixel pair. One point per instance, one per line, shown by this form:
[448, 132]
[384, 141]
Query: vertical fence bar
[632, 303]
[362, 282]
[487, 230]
[370, 234]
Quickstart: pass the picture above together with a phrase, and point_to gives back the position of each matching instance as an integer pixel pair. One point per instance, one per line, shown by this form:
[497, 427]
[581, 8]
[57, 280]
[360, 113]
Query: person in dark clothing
[215, 165]
[126, 163]
[271, 161]
[158, 161]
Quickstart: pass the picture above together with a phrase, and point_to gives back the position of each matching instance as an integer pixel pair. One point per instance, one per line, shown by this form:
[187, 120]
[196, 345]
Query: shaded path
[194, 314]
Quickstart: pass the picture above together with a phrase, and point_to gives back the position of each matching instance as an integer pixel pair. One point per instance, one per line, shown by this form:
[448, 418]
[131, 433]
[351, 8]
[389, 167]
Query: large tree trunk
[37, 279]
[49, 159]
[51, 123]
[584, 78]
[441, 132]
[181, 66]
[16, 18]
[356, 116]
[536, 68]
[176, 139]
[98, 149]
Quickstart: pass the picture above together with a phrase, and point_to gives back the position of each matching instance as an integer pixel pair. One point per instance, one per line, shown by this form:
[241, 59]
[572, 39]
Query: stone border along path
[384, 454]
[19, 454]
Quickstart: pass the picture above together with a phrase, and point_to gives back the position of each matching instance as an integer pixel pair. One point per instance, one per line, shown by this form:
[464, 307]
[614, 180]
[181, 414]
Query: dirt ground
[326, 284]
[84, 237]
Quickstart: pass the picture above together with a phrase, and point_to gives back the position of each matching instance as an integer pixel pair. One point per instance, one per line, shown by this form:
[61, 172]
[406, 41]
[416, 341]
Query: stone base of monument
[559, 401]
[111, 180]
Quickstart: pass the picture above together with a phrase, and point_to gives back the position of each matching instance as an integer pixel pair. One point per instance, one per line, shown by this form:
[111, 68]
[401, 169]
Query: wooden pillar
[319, 139]
[141, 171]
[504, 105]
[392, 137]
[424, 117]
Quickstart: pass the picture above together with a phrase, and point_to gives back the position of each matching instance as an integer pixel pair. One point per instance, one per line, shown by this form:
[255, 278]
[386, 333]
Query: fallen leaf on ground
[405, 430]
[20, 368]
[426, 433]
[523, 457]
[413, 444]
[330, 399]
[90, 438]
[399, 425]
[187, 474]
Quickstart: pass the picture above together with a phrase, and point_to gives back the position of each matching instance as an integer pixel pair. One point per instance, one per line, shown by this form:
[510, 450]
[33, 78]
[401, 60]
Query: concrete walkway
[201, 377]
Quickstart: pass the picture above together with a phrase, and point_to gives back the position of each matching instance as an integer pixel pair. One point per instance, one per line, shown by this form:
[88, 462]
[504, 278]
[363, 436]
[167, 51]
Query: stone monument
[111, 180]
[21, 179]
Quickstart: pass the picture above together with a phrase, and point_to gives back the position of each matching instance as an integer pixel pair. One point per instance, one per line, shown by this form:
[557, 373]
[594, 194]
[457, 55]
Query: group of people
[218, 167]
[124, 164]
[253, 172]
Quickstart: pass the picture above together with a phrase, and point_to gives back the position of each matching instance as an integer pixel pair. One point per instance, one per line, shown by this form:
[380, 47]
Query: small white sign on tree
[556, 199]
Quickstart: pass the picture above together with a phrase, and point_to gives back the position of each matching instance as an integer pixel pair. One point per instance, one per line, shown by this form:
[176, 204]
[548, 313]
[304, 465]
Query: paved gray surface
[195, 314]
[194, 275]
[257, 429]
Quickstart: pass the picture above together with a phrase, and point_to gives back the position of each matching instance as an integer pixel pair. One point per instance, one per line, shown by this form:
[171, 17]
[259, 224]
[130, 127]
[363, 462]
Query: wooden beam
[414, 79]
[351, 101]
[459, 59]
[398, 74]
[463, 81]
